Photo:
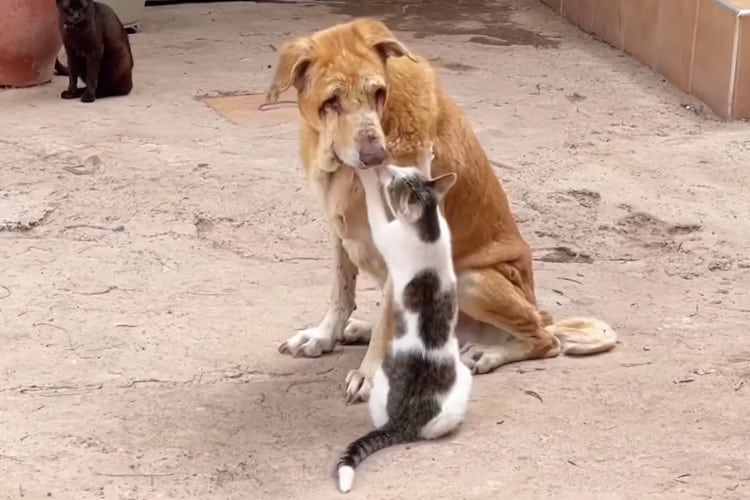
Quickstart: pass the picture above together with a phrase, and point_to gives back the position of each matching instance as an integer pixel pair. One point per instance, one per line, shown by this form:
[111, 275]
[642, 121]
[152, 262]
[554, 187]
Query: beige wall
[701, 46]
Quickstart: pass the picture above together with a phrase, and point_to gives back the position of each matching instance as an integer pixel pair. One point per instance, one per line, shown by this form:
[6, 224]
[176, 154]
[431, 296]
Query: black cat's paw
[70, 94]
[88, 97]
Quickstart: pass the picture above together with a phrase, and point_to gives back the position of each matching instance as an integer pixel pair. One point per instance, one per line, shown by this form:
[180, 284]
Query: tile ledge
[732, 5]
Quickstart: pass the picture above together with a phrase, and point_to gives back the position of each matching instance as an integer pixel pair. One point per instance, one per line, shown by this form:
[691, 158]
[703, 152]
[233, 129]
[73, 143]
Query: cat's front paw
[88, 97]
[70, 94]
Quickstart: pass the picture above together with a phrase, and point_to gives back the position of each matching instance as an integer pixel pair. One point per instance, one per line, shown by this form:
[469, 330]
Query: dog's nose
[372, 155]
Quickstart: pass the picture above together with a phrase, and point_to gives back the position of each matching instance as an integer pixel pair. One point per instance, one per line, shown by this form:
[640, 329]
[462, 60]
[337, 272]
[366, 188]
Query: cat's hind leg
[453, 406]
[378, 403]
[116, 75]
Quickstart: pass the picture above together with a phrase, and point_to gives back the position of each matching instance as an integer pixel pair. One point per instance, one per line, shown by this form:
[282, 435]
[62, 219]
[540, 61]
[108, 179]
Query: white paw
[358, 387]
[480, 359]
[356, 332]
[308, 343]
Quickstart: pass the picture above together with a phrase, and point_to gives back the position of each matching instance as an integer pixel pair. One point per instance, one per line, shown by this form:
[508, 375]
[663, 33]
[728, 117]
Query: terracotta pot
[29, 41]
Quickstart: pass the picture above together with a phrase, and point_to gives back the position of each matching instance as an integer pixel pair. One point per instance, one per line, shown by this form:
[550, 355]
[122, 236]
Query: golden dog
[364, 99]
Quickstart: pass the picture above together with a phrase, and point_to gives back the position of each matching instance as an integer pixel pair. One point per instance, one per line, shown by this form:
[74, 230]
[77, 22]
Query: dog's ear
[442, 183]
[391, 47]
[294, 59]
[381, 39]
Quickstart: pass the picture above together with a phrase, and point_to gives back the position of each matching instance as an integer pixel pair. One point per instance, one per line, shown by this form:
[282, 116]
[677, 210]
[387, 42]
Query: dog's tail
[60, 68]
[581, 336]
[362, 448]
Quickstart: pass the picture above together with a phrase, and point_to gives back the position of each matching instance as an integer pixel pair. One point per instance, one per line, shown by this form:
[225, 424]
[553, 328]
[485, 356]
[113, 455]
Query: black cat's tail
[362, 448]
[60, 68]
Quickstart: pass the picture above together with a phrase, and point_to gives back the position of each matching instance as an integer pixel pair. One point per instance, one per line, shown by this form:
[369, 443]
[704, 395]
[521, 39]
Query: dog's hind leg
[517, 326]
[312, 342]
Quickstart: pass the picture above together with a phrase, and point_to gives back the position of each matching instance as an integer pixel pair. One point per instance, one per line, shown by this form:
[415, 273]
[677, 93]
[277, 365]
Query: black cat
[98, 50]
[60, 68]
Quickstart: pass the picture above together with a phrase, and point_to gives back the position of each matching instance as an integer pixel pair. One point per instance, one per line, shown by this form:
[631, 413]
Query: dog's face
[342, 87]
[73, 11]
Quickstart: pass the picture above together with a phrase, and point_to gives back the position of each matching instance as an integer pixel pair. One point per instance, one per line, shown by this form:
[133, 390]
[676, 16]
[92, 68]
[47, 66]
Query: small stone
[93, 160]
[720, 265]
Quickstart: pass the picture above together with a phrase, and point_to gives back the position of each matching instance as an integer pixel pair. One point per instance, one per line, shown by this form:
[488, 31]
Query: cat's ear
[442, 183]
[294, 59]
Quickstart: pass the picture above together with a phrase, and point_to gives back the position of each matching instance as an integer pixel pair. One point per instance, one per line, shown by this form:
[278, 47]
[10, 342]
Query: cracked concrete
[140, 318]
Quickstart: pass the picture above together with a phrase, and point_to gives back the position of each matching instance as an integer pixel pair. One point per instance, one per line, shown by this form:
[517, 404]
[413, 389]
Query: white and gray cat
[422, 388]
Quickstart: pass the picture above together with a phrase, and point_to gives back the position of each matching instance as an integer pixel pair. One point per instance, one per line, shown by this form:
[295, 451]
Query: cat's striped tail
[362, 448]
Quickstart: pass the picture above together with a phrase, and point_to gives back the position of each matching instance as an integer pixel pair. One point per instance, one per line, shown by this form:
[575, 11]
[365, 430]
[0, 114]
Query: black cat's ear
[442, 183]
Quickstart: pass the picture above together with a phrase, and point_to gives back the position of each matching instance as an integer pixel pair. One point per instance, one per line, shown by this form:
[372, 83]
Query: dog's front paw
[309, 343]
[88, 97]
[358, 387]
[356, 332]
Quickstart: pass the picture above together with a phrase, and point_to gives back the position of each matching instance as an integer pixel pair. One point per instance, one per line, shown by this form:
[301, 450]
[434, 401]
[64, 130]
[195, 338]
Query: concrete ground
[154, 254]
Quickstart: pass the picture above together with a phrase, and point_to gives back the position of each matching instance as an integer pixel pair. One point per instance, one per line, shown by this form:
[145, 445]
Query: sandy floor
[155, 254]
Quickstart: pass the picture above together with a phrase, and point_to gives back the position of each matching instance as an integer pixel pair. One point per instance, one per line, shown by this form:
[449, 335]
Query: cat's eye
[331, 105]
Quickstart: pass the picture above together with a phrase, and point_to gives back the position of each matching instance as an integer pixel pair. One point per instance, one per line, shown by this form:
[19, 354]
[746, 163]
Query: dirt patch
[22, 211]
[250, 109]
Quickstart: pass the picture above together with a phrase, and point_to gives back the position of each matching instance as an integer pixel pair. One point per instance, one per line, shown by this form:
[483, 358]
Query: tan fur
[493, 262]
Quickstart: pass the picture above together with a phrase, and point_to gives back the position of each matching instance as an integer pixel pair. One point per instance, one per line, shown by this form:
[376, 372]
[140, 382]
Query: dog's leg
[489, 297]
[312, 342]
[359, 382]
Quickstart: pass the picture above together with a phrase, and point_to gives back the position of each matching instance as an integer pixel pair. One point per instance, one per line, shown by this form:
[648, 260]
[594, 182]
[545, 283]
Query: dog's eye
[331, 105]
[380, 96]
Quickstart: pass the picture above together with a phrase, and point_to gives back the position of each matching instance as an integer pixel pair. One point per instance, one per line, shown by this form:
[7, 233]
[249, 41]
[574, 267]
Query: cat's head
[74, 12]
[409, 193]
